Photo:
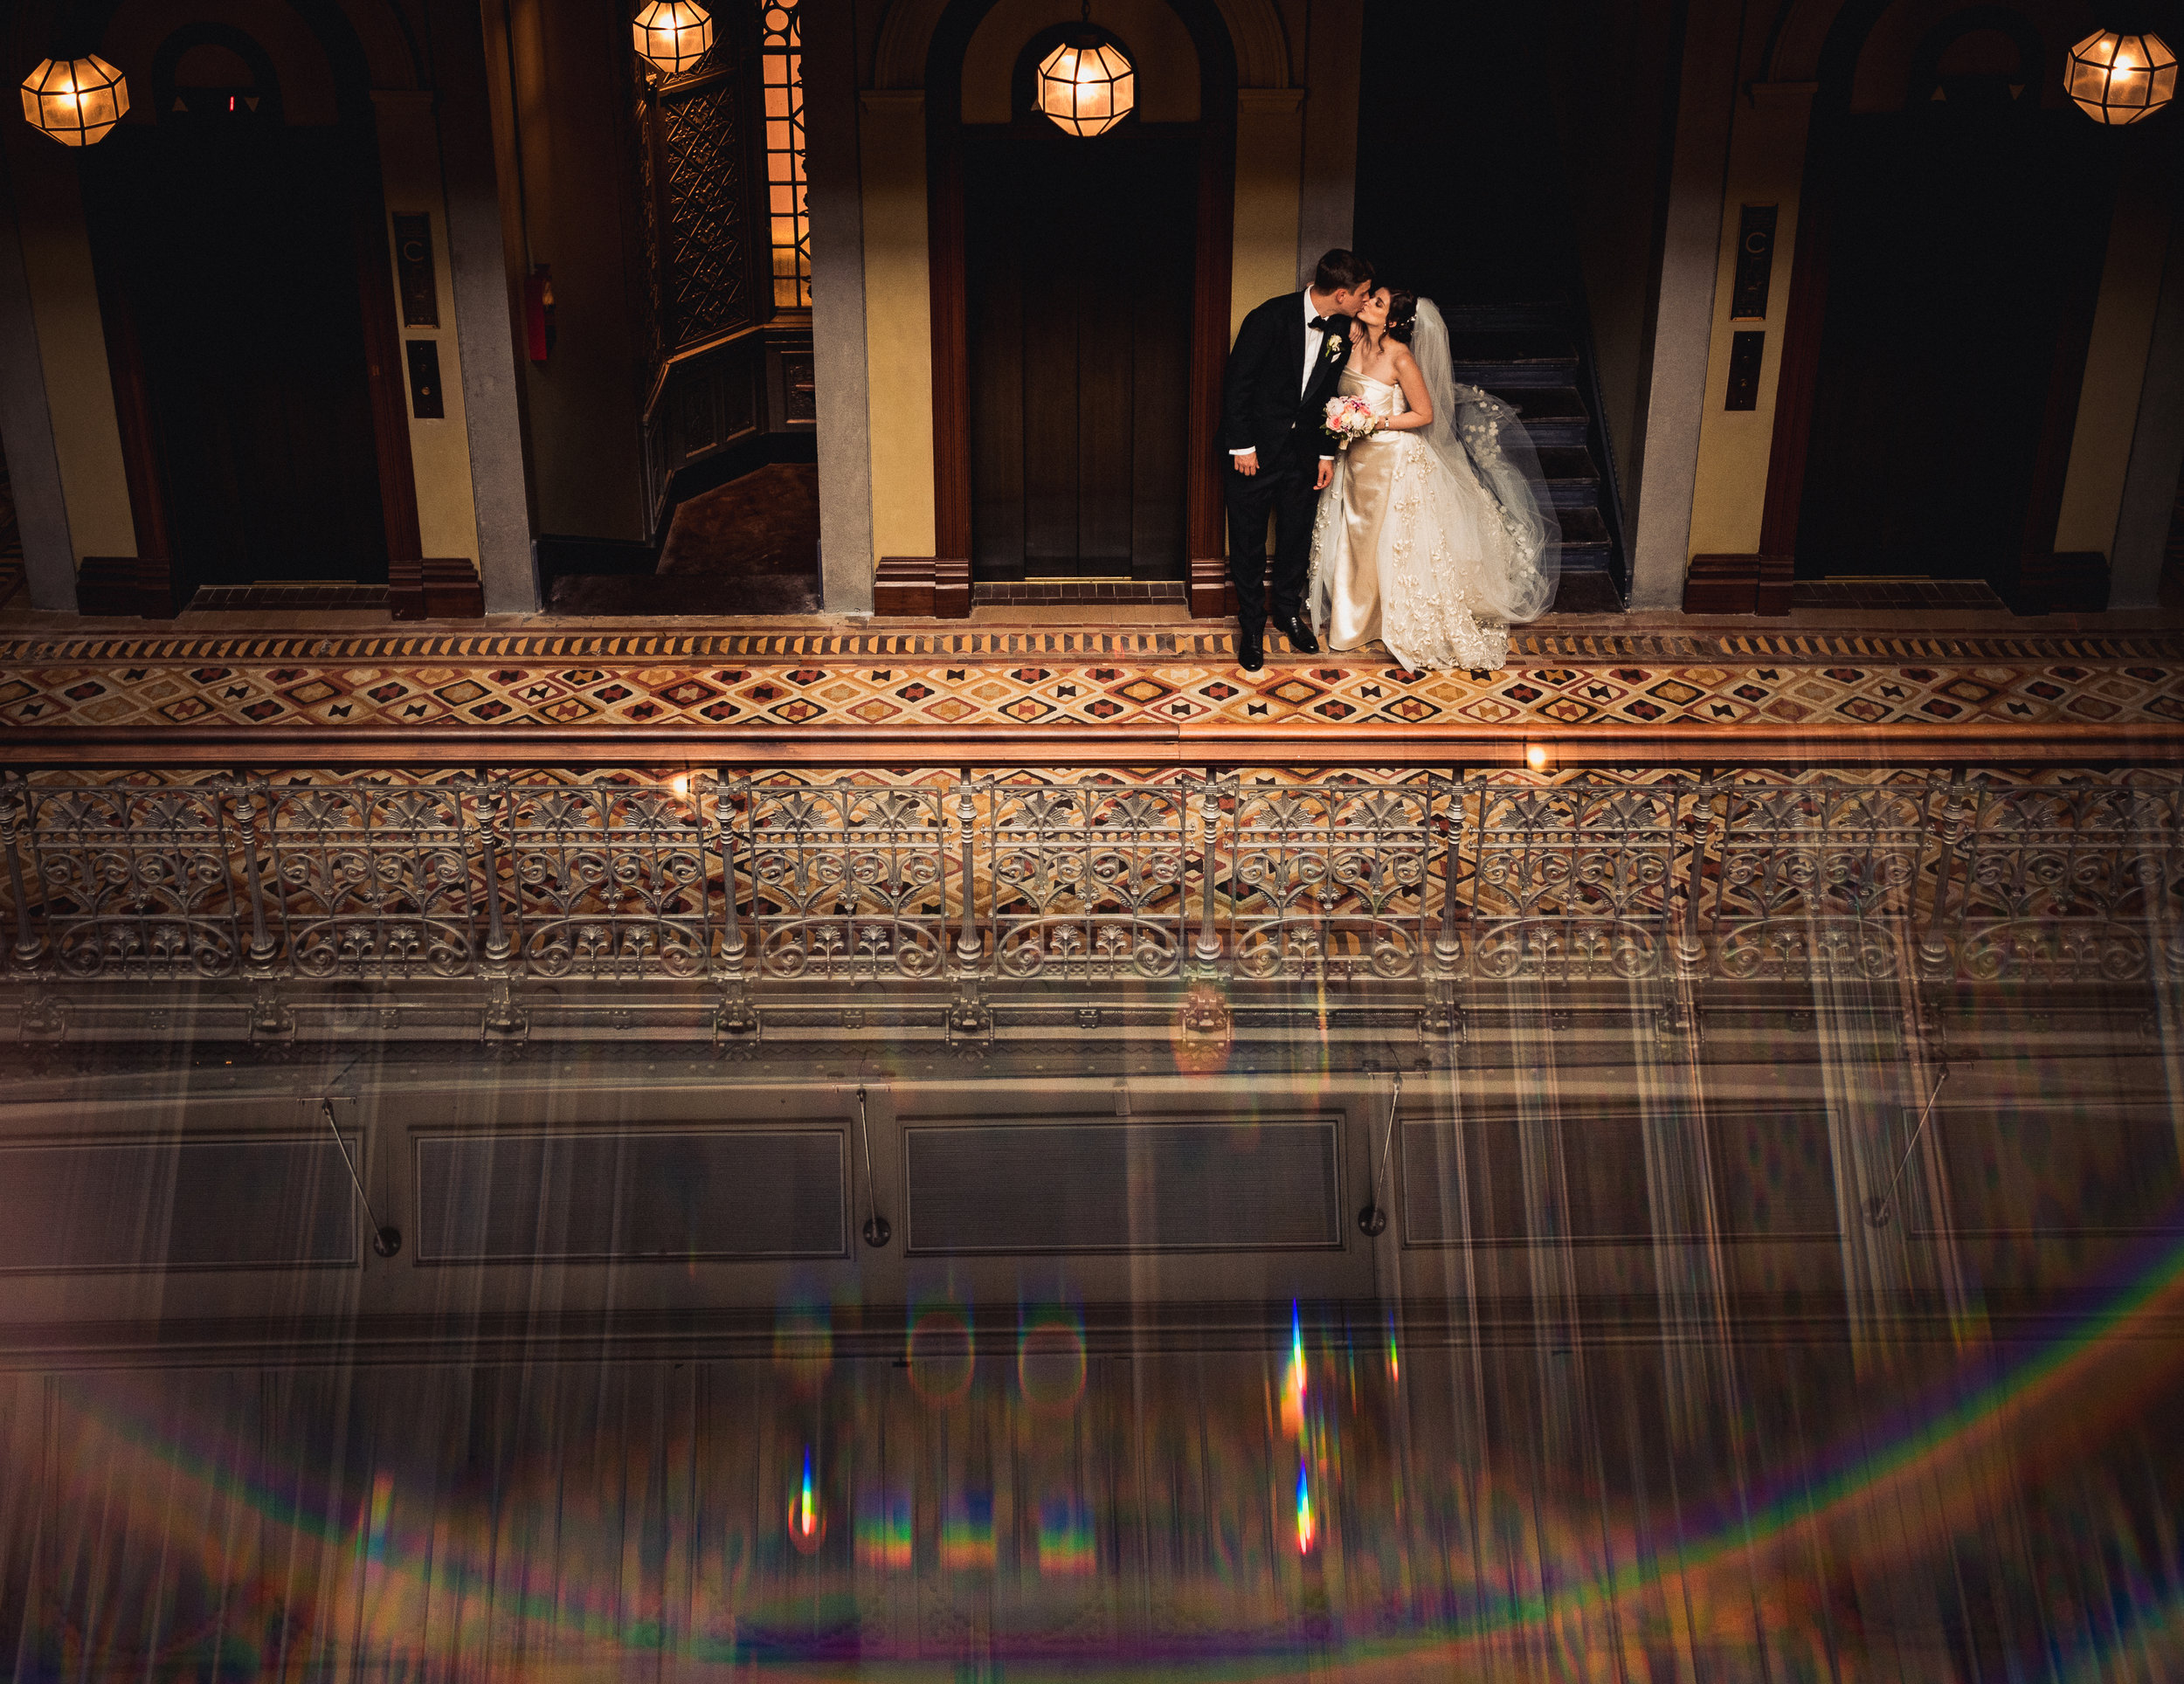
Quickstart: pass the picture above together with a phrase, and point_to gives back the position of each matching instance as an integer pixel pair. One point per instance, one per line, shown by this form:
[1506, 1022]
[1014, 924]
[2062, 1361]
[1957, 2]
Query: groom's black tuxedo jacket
[1260, 406]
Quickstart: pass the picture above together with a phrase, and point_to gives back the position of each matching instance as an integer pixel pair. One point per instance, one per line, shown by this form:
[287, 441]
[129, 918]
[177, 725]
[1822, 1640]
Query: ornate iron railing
[1012, 882]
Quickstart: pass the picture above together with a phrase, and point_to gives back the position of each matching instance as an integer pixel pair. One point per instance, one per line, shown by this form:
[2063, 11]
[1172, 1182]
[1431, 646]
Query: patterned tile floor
[963, 680]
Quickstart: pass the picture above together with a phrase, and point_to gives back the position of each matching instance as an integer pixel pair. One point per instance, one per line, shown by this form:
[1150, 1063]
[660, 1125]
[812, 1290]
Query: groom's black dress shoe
[1300, 636]
[1251, 648]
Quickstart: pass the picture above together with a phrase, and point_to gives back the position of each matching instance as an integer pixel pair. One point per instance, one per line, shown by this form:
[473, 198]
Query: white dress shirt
[1315, 342]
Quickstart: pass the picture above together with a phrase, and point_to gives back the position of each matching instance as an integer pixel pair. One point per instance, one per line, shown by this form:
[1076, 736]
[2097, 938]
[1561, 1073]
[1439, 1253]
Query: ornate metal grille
[848, 881]
[702, 173]
[2059, 883]
[1090, 878]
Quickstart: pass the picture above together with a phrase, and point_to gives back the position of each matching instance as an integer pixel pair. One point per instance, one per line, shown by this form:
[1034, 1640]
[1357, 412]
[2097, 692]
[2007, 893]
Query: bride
[1433, 536]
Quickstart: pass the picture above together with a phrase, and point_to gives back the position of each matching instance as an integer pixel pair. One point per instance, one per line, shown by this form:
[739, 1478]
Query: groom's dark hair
[1341, 272]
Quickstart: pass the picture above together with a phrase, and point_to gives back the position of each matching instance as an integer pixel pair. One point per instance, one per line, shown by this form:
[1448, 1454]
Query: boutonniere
[1335, 346]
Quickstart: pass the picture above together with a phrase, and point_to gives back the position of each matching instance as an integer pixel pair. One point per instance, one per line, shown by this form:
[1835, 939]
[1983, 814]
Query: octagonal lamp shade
[673, 35]
[2120, 79]
[1086, 90]
[76, 100]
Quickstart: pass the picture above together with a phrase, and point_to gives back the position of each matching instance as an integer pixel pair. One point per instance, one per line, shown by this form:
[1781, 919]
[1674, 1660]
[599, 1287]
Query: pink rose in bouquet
[1349, 419]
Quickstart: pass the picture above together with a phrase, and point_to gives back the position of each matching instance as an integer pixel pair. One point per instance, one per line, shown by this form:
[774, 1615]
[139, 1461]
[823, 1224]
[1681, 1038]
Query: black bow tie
[1321, 324]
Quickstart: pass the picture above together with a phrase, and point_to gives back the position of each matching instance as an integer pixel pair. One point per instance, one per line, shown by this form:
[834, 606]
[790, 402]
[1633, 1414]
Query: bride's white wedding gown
[1411, 547]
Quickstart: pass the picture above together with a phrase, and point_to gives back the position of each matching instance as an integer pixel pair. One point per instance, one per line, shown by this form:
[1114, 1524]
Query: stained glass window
[783, 58]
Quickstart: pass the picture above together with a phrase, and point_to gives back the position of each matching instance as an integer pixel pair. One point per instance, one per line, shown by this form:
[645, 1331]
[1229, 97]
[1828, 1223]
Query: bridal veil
[1476, 436]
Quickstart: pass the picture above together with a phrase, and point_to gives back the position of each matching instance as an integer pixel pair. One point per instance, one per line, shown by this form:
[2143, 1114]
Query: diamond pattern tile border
[810, 681]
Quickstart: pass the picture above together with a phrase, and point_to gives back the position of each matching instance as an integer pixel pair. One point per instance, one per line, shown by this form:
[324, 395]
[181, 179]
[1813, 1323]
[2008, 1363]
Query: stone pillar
[898, 320]
[56, 410]
[485, 319]
[839, 331]
[1675, 399]
[2148, 499]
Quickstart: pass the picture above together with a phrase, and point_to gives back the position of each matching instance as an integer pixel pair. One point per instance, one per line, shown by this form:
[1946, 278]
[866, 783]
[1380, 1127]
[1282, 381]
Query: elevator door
[235, 254]
[1078, 261]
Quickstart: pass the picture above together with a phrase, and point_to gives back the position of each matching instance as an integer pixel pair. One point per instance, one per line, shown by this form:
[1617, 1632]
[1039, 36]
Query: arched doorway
[239, 241]
[1948, 262]
[1078, 268]
[1180, 235]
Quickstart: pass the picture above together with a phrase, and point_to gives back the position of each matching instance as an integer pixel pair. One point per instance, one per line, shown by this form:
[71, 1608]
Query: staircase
[1529, 356]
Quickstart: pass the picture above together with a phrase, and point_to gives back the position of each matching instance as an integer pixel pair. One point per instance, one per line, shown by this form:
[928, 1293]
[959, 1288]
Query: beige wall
[898, 321]
[439, 451]
[71, 344]
[1767, 161]
[1269, 183]
[2115, 367]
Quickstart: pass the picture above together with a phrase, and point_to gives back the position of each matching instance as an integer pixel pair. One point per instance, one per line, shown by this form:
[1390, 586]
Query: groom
[1288, 357]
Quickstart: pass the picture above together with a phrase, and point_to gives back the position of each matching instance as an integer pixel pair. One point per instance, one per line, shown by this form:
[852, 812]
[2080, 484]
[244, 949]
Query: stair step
[1543, 366]
[1568, 462]
[1491, 317]
[1582, 530]
[1553, 415]
[1587, 591]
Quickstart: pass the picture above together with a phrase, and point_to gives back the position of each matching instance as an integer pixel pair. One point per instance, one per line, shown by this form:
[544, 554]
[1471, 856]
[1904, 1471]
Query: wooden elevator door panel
[236, 252]
[1078, 274]
[1962, 237]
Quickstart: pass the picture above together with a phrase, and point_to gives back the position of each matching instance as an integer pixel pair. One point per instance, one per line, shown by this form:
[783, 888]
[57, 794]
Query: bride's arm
[1418, 413]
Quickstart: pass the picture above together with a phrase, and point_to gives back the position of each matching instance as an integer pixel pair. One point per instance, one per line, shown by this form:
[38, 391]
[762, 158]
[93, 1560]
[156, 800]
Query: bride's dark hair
[1402, 315]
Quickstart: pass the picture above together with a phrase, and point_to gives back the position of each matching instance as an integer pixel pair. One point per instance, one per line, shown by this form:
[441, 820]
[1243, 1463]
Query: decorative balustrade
[1012, 882]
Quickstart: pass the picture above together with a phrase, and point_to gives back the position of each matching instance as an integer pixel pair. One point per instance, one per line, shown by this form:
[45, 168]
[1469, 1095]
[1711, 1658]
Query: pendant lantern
[2120, 79]
[673, 35]
[76, 100]
[1087, 85]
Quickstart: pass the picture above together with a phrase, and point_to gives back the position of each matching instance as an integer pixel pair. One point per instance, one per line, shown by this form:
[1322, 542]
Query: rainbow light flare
[1307, 1530]
[1066, 1547]
[883, 1533]
[807, 1518]
[1293, 1381]
[966, 1533]
[373, 1561]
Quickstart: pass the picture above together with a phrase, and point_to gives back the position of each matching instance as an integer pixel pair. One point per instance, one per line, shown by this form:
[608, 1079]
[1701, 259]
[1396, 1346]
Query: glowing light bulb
[682, 783]
[1536, 758]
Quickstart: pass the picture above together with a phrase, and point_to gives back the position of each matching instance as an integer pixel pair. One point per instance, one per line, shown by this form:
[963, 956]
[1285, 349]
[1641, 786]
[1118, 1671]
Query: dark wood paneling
[1049, 397]
[1109, 348]
[997, 374]
[951, 368]
[1967, 242]
[1207, 515]
[712, 407]
[1079, 307]
[1800, 370]
[105, 585]
[384, 372]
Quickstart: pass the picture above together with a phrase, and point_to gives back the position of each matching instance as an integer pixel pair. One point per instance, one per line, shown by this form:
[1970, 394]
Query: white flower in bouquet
[1349, 419]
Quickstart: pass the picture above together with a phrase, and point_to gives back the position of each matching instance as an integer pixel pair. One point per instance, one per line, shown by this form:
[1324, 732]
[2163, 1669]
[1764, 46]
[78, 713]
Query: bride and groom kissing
[1407, 508]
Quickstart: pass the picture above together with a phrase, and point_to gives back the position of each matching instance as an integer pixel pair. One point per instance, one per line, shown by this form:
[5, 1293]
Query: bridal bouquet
[1349, 419]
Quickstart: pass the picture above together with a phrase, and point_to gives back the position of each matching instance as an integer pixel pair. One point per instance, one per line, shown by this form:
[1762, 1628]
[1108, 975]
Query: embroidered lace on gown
[1416, 552]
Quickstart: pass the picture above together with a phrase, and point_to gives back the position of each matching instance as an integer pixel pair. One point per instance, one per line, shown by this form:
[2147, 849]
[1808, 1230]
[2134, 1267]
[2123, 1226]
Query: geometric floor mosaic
[303, 683]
